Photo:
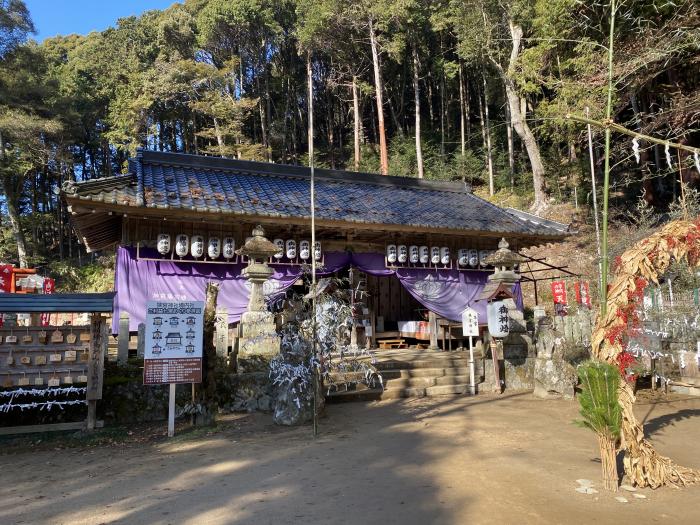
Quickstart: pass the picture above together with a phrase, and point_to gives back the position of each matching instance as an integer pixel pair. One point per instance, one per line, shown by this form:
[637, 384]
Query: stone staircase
[413, 373]
[686, 388]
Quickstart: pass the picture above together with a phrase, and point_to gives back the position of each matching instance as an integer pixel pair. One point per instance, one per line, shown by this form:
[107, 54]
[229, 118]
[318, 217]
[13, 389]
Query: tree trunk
[462, 114]
[219, 137]
[489, 154]
[416, 93]
[431, 111]
[207, 392]
[518, 120]
[383, 152]
[511, 152]
[608, 460]
[356, 121]
[442, 114]
[14, 216]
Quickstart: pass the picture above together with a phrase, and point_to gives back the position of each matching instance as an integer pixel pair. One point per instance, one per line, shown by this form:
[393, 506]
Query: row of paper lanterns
[194, 246]
[184, 245]
[403, 254]
[289, 248]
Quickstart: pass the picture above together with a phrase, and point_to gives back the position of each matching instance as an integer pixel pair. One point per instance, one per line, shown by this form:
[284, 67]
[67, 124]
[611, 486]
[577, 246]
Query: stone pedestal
[553, 376]
[518, 343]
[259, 342]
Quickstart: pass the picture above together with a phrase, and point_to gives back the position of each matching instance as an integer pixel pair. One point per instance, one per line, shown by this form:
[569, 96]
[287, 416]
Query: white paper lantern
[435, 254]
[473, 258]
[291, 249]
[424, 253]
[280, 246]
[229, 247]
[445, 255]
[463, 257]
[318, 254]
[182, 245]
[483, 254]
[304, 249]
[498, 319]
[197, 246]
[413, 254]
[163, 244]
[403, 254]
[391, 253]
[214, 247]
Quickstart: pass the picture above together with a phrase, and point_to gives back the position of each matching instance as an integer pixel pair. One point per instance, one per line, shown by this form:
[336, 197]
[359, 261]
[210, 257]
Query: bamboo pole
[609, 124]
[595, 202]
[606, 175]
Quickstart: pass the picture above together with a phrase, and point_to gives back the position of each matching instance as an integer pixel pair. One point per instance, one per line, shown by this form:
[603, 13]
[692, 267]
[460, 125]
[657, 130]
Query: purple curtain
[445, 292]
[138, 282]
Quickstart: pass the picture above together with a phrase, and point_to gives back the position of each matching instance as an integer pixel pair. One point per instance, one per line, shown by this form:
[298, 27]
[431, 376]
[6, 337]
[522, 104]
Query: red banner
[583, 294]
[559, 297]
[5, 278]
[49, 286]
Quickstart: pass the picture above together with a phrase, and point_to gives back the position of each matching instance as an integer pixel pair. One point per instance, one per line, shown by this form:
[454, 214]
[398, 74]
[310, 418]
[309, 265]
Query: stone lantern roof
[504, 257]
[258, 247]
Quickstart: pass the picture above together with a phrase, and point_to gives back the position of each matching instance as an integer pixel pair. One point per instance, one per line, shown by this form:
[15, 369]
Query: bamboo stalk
[608, 124]
[606, 175]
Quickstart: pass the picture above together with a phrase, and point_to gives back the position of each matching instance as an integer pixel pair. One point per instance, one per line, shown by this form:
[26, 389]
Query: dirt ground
[452, 460]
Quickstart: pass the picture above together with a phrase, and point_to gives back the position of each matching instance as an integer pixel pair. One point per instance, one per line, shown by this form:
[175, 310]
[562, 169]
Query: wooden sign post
[470, 328]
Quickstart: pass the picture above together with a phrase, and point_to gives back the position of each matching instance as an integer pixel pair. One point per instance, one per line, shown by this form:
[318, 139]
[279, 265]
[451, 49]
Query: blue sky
[64, 17]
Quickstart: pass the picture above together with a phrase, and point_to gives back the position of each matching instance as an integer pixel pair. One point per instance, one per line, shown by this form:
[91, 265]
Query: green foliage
[94, 277]
[228, 77]
[15, 24]
[600, 408]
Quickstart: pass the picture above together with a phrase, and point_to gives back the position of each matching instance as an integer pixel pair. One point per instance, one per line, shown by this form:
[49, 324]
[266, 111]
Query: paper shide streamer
[635, 149]
[667, 150]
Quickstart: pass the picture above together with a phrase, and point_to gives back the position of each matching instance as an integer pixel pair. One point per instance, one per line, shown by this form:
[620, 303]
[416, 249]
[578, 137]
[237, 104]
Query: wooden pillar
[432, 322]
[98, 349]
[221, 336]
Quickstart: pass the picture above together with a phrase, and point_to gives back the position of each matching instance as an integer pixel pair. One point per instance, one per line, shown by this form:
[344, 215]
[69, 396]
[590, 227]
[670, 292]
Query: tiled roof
[225, 186]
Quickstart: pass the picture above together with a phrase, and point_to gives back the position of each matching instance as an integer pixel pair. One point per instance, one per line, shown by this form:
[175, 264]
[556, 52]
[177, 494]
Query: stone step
[366, 394]
[441, 390]
[437, 390]
[686, 390]
[423, 372]
[422, 363]
[691, 380]
[407, 382]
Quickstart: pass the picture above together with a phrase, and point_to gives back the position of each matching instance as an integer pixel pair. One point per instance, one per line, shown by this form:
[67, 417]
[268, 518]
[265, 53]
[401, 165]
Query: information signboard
[470, 322]
[173, 346]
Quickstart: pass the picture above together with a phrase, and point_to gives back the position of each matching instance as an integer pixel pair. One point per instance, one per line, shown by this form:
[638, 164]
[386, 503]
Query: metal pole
[606, 175]
[313, 238]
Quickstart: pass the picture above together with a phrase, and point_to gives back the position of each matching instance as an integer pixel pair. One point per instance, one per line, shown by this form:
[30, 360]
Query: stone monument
[259, 341]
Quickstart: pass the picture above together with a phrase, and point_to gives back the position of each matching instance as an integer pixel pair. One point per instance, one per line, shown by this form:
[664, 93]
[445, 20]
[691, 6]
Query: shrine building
[413, 250]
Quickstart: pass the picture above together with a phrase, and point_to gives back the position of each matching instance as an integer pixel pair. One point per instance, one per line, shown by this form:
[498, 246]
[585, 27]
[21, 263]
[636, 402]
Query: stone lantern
[259, 341]
[512, 334]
